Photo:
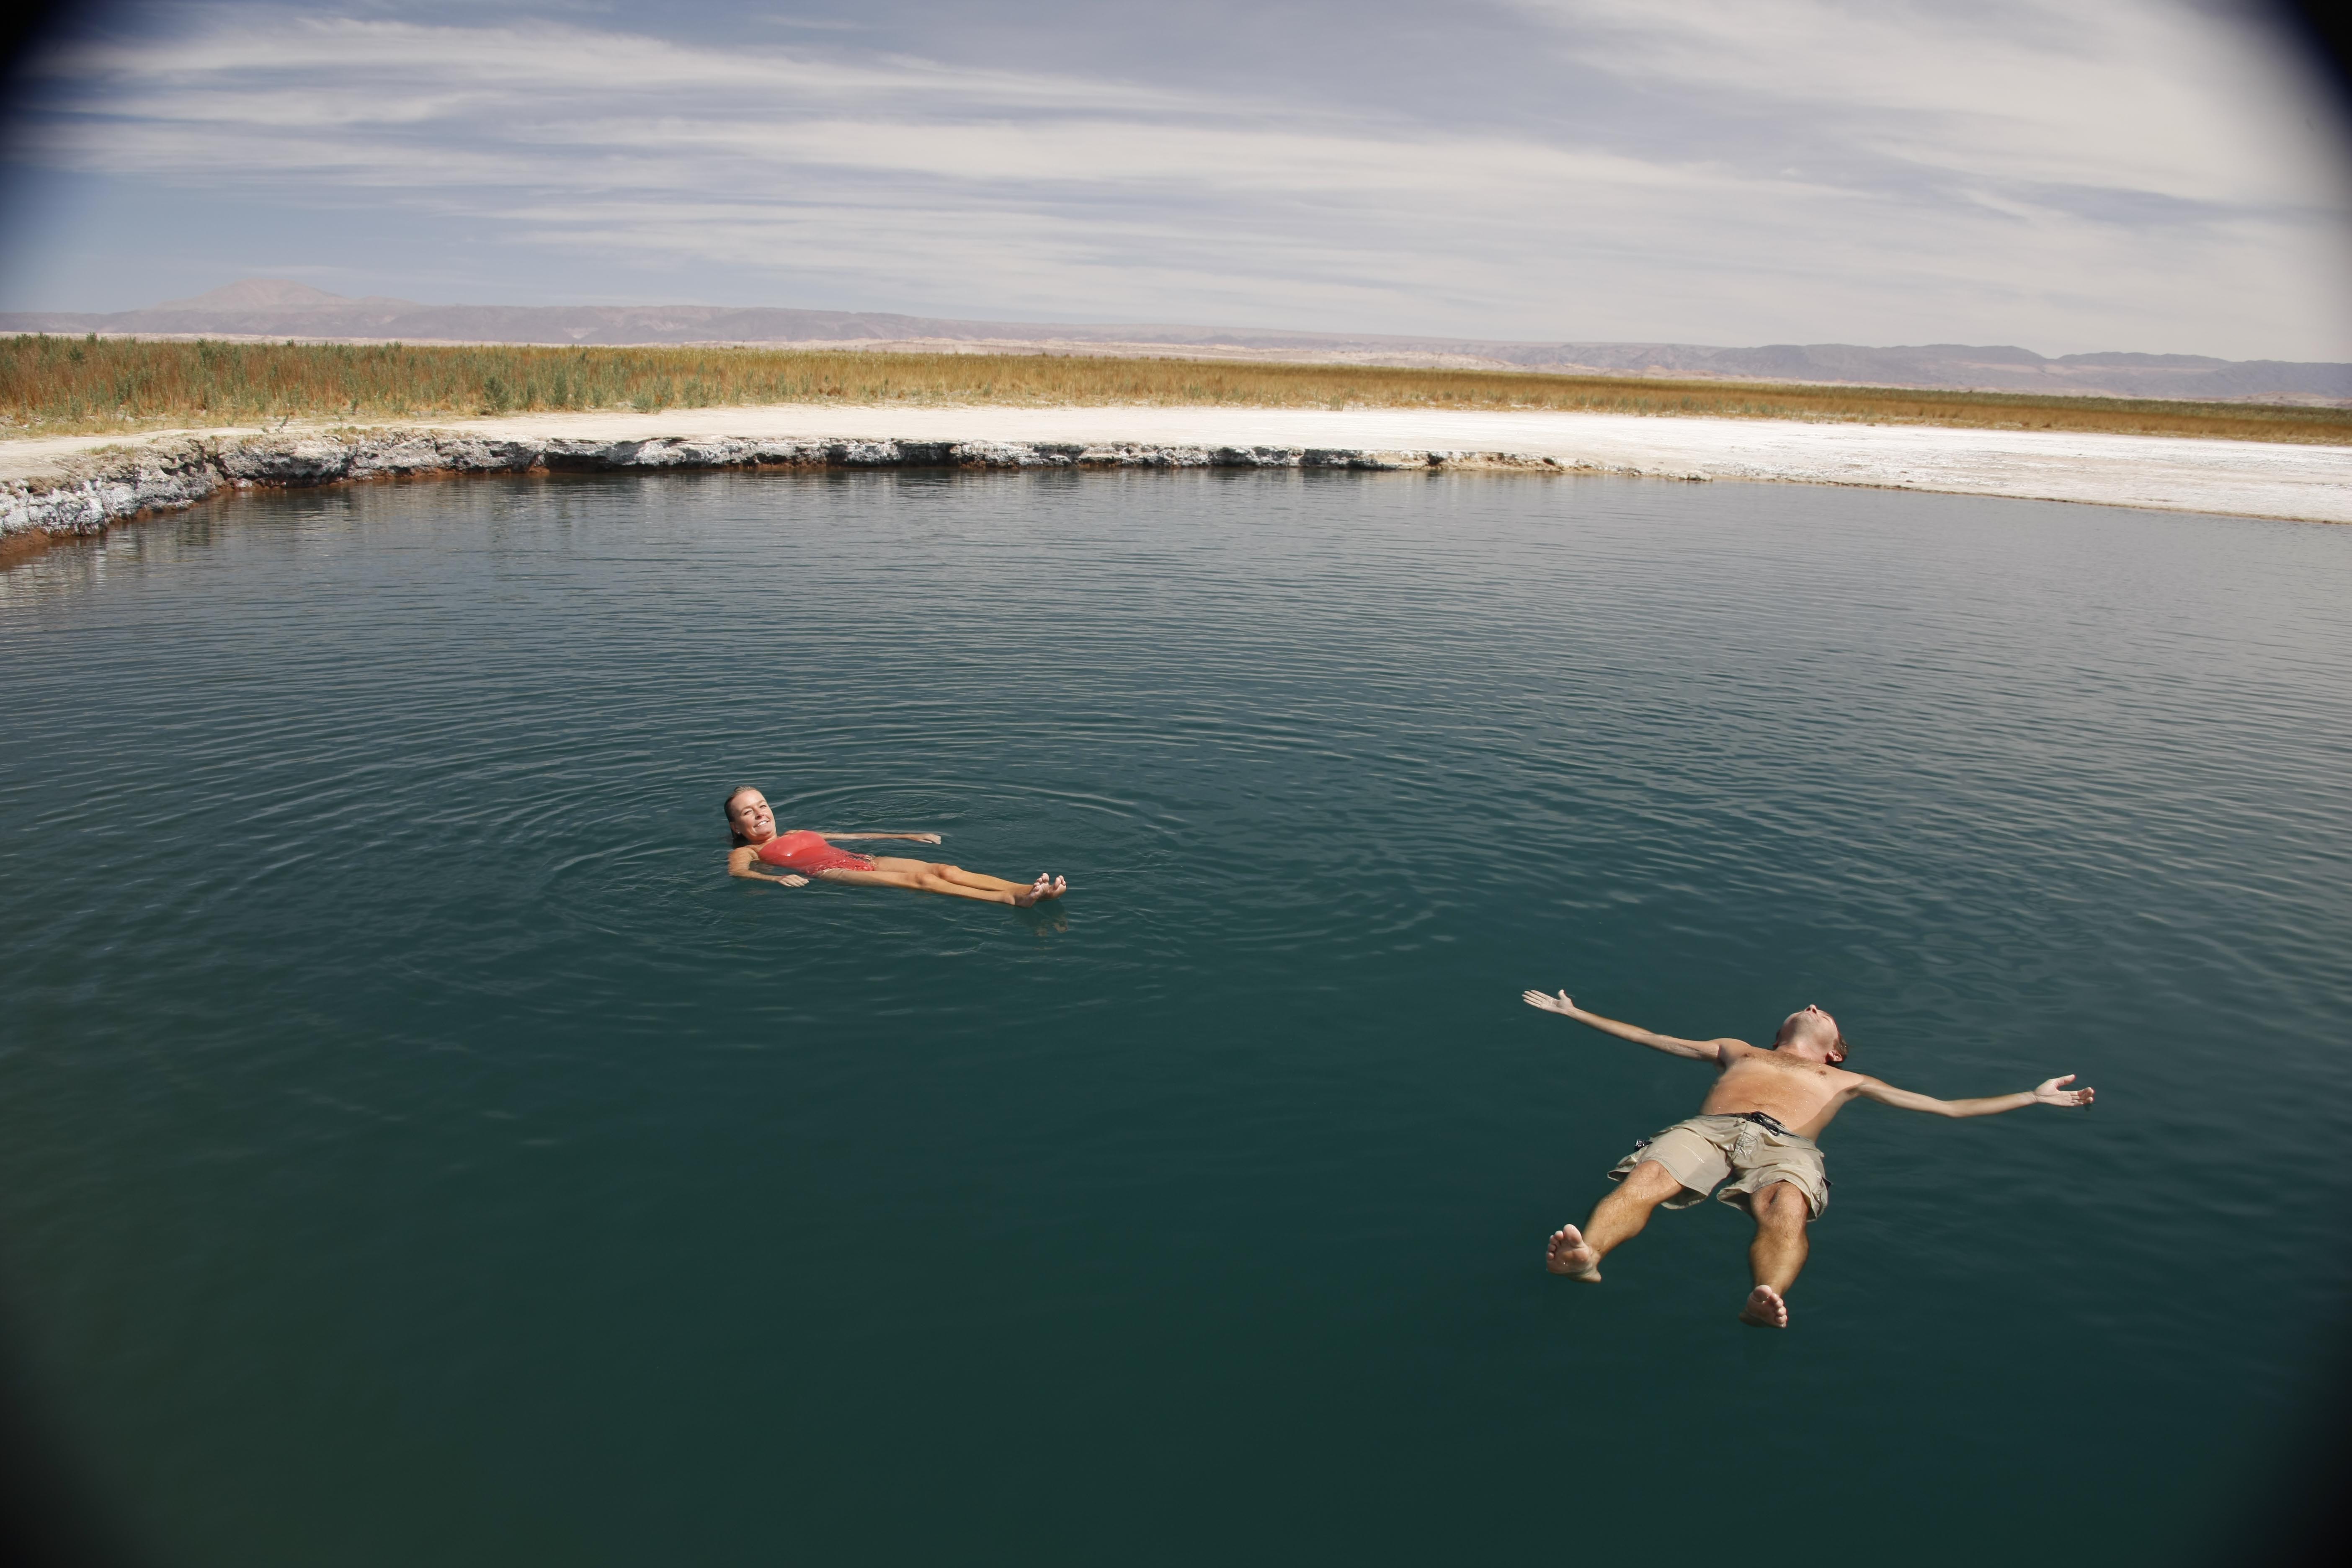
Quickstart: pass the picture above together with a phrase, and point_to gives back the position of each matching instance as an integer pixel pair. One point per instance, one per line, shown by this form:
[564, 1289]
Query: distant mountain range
[275, 308]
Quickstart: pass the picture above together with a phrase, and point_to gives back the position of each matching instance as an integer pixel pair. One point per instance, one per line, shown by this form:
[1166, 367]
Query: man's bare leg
[1776, 1255]
[1616, 1219]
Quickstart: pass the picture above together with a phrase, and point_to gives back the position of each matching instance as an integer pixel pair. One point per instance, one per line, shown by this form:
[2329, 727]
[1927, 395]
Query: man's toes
[1560, 1255]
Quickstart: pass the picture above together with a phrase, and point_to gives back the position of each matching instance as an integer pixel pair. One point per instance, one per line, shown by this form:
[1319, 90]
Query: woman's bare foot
[1045, 887]
[1765, 1308]
[1569, 1254]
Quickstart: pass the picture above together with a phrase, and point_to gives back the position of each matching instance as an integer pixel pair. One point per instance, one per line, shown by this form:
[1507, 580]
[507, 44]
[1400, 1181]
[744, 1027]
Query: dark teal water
[414, 1149]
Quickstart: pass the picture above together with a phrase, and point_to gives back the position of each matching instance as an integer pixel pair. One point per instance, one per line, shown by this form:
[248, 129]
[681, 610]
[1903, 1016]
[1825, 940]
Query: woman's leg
[955, 874]
[923, 880]
[920, 881]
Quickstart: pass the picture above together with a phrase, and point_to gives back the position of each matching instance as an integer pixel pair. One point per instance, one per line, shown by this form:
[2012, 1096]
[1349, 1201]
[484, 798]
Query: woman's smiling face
[747, 810]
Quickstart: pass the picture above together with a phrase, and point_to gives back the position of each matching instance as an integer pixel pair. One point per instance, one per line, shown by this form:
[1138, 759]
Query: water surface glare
[413, 1148]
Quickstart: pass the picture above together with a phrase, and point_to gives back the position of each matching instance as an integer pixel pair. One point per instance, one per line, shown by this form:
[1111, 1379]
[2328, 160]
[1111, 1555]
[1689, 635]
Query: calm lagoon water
[413, 1148]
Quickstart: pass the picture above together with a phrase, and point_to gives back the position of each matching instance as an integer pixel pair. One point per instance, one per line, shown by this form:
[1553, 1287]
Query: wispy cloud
[2075, 175]
[2113, 94]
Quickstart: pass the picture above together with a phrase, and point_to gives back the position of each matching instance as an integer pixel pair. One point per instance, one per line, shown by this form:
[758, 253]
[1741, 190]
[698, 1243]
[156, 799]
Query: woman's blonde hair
[727, 808]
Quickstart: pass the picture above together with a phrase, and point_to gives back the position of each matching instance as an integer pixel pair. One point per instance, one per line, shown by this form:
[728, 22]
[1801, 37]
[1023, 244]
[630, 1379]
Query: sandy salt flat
[2252, 479]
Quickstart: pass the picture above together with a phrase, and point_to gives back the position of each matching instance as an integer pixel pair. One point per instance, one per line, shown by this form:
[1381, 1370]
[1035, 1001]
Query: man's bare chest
[1771, 1082]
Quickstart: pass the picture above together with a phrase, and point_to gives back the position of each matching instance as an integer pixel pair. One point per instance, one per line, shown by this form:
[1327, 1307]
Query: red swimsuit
[808, 853]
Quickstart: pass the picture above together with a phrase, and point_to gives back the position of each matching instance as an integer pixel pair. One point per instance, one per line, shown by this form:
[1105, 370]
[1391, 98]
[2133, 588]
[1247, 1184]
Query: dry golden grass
[62, 385]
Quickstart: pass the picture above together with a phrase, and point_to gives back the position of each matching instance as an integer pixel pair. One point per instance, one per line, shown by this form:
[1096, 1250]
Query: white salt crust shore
[83, 484]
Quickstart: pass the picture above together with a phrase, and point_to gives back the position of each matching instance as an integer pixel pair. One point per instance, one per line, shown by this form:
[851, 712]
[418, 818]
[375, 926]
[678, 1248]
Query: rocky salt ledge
[77, 484]
[89, 493]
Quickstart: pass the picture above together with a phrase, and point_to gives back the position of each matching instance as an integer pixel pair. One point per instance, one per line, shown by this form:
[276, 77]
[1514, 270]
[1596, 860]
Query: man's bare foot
[1045, 887]
[1765, 1308]
[1569, 1255]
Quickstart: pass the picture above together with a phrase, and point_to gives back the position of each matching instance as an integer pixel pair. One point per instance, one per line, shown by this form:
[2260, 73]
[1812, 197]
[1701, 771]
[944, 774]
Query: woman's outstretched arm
[743, 861]
[918, 837]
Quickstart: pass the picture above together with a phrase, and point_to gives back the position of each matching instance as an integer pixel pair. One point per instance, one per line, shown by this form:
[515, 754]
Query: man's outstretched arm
[2053, 1091]
[1698, 1050]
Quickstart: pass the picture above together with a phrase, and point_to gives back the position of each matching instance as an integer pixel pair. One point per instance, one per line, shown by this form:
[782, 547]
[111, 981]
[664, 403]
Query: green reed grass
[63, 384]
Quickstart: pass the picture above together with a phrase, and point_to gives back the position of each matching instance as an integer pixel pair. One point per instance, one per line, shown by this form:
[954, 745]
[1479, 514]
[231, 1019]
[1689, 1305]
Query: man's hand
[2054, 1091]
[1700, 1050]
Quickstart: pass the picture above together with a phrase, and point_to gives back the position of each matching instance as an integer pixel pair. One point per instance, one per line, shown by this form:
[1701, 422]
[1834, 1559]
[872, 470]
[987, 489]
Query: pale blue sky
[2067, 174]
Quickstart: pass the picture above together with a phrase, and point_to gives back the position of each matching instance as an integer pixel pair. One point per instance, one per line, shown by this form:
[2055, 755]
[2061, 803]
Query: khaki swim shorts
[1703, 1150]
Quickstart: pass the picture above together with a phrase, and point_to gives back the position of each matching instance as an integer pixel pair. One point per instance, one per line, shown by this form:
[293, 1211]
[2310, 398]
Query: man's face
[1813, 1025]
[1835, 1039]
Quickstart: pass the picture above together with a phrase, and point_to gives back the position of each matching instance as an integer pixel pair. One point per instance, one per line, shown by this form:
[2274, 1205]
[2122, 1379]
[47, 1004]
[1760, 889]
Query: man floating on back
[1757, 1128]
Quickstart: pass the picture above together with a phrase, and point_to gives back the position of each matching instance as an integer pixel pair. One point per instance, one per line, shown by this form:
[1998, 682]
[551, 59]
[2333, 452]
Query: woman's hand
[790, 880]
[1560, 1004]
[924, 837]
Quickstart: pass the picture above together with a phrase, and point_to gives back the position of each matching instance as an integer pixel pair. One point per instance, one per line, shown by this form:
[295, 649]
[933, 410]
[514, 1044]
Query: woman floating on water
[801, 855]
